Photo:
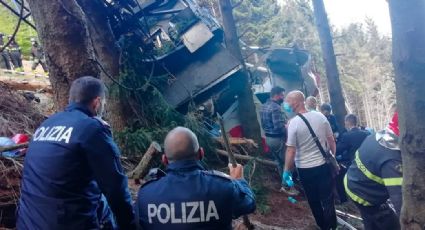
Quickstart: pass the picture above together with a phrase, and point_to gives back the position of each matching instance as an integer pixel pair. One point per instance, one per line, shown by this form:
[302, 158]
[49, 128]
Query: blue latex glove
[287, 178]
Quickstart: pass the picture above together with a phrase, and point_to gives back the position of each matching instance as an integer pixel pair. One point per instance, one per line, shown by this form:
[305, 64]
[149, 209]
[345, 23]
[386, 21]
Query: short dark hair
[351, 118]
[85, 89]
[326, 107]
[276, 91]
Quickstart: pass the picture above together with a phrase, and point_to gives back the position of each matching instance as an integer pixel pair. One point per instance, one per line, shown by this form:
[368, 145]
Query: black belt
[275, 135]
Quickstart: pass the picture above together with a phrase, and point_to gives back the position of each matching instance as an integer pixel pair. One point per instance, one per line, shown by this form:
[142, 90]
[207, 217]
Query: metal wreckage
[188, 46]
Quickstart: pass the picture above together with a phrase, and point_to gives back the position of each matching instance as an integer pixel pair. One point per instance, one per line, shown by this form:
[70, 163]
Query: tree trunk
[407, 19]
[247, 111]
[77, 38]
[107, 54]
[62, 31]
[332, 75]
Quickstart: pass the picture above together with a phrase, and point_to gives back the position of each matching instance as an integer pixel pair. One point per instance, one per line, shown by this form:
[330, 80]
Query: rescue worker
[37, 55]
[15, 54]
[72, 165]
[346, 147]
[188, 196]
[376, 176]
[273, 123]
[302, 149]
[4, 55]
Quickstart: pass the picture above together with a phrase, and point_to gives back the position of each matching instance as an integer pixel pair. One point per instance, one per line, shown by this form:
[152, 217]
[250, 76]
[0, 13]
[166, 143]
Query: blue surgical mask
[287, 108]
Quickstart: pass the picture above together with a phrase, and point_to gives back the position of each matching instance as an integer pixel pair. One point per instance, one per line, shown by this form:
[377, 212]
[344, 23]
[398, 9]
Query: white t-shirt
[307, 153]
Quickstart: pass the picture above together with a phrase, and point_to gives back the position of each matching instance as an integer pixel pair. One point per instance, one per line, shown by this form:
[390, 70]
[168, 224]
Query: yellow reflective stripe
[396, 181]
[353, 196]
[366, 172]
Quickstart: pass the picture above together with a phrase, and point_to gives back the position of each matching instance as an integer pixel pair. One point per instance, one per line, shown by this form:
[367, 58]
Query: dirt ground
[38, 83]
[283, 213]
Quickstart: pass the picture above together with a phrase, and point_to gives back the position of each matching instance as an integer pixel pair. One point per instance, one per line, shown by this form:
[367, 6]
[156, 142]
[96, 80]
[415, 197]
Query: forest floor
[26, 80]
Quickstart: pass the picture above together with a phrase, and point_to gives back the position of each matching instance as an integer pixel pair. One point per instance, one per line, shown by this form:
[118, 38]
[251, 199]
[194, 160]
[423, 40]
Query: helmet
[393, 125]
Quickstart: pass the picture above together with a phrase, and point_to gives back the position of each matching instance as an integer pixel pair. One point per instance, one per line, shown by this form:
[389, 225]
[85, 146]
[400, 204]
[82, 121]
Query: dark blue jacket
[348, 143]
[332, 121]
[189, 197]
[71, 161]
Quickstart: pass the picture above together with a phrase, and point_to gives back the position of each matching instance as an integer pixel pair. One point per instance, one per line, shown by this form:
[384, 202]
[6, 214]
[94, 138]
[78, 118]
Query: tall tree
[247, 112]
[408, 30]
[76, 39]
[364, 60]
[256, 21]
[329, 58]
[62, 31]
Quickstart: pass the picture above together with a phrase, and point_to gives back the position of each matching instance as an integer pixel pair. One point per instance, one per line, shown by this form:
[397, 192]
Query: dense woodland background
[363, 54]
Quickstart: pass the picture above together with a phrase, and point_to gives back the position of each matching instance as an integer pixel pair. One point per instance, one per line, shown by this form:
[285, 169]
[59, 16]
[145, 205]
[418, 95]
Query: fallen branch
[247, 158]
[344, 224]
[343, 214]
[142, 168]
[232, 160]
[239, 141]
[13, 147]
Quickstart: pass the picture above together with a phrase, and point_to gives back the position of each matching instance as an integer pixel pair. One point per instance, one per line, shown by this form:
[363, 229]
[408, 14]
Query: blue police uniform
[189, 197]
[71, 165]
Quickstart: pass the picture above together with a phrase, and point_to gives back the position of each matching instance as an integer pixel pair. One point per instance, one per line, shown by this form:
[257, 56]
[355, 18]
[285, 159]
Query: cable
[21, 13]
[120, 84]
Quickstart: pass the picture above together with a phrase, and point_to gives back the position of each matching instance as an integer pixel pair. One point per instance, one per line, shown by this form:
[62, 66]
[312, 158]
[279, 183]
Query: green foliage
[7, 26]
[254, 173]
[255, 20]
[150, 118]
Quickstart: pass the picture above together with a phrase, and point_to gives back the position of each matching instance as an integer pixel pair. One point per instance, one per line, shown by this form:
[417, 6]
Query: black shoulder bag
[329, 157]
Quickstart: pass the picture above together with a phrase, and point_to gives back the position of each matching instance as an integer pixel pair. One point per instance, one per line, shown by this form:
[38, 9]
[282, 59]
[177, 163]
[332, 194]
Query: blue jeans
[277, 149]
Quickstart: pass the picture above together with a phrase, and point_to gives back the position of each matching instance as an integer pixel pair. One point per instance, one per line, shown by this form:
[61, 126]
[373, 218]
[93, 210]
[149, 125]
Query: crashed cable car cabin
[186, 43]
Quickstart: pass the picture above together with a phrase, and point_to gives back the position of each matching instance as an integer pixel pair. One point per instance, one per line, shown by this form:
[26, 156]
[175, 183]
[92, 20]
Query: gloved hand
[338, 157]
[287, 178]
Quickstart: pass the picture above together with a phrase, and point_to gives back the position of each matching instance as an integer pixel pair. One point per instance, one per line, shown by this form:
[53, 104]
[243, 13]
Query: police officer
[4, 55]
[376, 176]
[37, 55]
[15, 54]
[188, 196]
[72, 172]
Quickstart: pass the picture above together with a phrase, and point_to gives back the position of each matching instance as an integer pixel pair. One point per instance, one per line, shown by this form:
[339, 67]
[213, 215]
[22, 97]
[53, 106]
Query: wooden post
[142, 168]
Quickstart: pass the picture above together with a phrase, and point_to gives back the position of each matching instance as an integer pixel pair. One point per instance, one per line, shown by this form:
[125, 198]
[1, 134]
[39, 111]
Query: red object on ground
[393, 125]
[236, 131]
[20, 138]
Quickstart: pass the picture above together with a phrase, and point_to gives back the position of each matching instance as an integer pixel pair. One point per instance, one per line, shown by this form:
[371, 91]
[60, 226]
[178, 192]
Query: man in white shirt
[314, 173]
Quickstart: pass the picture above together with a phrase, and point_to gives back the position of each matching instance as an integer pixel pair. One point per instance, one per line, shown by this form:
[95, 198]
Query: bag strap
[315, 138]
